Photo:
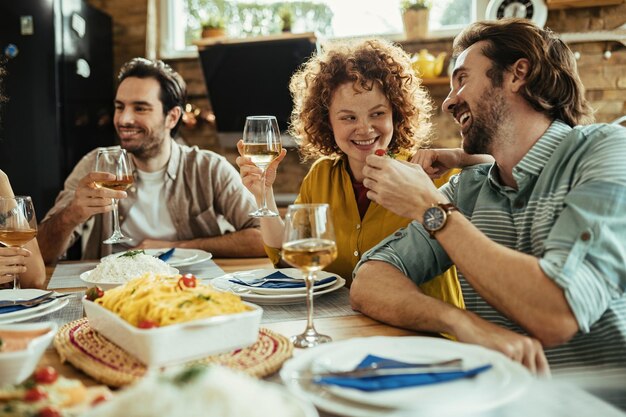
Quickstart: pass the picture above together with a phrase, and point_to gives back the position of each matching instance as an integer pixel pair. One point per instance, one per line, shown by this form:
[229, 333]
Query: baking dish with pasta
[182, 334]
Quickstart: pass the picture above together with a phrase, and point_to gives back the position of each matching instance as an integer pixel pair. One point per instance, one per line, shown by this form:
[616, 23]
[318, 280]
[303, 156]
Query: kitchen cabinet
[561, 4]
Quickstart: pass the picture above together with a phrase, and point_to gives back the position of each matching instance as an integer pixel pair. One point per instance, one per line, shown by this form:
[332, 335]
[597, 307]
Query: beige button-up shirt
[205, 197]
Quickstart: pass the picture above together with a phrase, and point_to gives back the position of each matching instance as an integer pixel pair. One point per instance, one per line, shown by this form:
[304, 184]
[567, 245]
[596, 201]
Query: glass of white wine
[261, 143]
[18, 224]
[115, 161]
[309, 245]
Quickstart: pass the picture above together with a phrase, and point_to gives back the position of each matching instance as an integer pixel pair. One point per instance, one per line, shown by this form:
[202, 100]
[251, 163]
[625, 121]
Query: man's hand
[89, 199]
[12, 261]
[437, 162]
[155, 244]
[401, 187]
[523, 349]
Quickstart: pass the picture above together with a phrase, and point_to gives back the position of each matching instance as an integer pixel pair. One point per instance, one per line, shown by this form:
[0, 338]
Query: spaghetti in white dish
[158, 300]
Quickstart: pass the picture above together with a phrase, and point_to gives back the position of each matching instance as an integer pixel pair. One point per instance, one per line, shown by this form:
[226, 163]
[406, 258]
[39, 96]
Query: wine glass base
[263, 212]
[308, 340]
[117, 239]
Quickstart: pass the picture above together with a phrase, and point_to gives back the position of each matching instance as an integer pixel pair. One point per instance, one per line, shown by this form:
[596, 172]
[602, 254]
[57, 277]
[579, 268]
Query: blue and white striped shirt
[569, 211]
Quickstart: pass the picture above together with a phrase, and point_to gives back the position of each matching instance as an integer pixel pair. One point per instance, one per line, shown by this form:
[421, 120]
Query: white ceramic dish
[180, 257]
[223, 284]
[501, 384]
[104, 285]
[16, 366]
[177, 343]
[21, 294]
[34, 312]
[248, 276]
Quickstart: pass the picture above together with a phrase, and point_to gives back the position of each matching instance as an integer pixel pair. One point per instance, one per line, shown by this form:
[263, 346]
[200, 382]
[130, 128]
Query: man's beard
[147, 148]
[487, 123]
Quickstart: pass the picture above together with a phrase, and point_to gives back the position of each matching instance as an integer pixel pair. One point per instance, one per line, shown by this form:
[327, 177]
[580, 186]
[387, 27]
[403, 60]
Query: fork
[259, 282]
[7, 303]
[35, 301]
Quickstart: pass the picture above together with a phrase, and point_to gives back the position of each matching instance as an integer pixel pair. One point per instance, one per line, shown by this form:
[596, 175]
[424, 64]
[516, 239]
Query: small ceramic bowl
[16, 366]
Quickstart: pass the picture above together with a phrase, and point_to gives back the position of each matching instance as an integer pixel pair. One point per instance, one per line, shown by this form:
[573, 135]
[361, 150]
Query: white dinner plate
[254, 274]
[222, 283]
[21, 294]
[500, 384]
[28, 314]
[180, 257]
[17, 313]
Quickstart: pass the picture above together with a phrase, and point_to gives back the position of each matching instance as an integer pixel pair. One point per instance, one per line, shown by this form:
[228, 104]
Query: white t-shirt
[149, 218]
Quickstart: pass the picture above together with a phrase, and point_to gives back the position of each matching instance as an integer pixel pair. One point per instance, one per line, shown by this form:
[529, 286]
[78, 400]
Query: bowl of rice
[115, 271]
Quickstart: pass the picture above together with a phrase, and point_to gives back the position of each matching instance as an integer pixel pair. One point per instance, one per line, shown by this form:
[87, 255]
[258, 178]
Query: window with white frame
[181, 20]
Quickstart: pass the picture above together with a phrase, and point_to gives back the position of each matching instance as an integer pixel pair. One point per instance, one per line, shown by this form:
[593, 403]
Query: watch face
[434, 218]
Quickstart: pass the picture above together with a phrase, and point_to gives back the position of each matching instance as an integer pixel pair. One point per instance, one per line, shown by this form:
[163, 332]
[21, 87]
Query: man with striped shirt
[539, 237]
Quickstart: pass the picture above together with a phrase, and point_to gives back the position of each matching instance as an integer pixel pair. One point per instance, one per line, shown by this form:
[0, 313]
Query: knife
[368, 372]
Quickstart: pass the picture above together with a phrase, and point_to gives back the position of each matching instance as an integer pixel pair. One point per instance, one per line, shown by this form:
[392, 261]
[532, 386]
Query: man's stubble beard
[486, 124]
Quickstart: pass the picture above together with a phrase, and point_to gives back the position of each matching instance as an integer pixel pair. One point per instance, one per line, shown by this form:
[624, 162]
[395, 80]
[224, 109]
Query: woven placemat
[106, 362]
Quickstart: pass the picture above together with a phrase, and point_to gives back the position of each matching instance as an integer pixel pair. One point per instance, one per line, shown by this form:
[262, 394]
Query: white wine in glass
[115, 161]
[309, 245]
[18, 224]
[261, 143]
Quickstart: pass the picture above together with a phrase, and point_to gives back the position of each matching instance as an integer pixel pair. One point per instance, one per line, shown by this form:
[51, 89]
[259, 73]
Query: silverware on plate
[44, 298]
[387, 368]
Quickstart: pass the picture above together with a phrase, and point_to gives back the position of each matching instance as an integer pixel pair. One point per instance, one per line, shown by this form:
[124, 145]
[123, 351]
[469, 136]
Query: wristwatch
[435, 217]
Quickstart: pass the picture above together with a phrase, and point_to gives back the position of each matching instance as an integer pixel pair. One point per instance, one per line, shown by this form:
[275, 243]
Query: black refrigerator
[57, 56]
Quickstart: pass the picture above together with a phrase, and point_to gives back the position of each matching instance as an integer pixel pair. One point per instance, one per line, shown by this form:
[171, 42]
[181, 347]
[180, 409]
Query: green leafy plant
[415, 5]
[214, 22]
[286, 17]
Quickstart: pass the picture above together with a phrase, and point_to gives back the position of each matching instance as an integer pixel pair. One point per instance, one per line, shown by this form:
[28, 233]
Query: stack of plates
[273, 296]
[502, 383]
[10, 315]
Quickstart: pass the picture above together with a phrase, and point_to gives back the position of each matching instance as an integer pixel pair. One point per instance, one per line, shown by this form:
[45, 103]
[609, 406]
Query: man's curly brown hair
[362, 63]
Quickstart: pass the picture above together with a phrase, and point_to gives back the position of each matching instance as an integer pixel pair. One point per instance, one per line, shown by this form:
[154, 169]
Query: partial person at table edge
[26, 261]
[538, 237]
[351, 100]
[182, 197]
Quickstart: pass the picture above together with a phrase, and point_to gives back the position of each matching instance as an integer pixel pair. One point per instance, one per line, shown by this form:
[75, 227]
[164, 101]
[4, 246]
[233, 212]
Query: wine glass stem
[309, 281]
[264, 190]
[116, 219]
[16, 281]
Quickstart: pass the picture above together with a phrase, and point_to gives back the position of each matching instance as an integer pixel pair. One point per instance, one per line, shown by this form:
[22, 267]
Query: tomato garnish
[35, 394]
[188, 280]
[94, 293]
[49, 411]
[147, 324]
[99, 399]
[380, 152]
[46, 375]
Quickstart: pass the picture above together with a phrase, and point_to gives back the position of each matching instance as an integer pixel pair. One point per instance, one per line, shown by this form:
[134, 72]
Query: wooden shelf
[561, 4]
[204, 42]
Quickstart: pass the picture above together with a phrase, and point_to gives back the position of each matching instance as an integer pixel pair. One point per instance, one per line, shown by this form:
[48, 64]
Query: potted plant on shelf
[286, 18]
[415, 18]
[213, 27]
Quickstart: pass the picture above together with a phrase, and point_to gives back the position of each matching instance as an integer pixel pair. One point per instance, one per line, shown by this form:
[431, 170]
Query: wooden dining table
[339, 328]
[542, 399]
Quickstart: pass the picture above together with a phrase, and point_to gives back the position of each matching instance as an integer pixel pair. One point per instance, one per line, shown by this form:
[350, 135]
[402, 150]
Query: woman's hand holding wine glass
[18, 226]
[309, 245]
[261, 145]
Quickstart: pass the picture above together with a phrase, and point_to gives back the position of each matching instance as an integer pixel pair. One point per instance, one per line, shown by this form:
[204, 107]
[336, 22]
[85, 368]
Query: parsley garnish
[132, 253]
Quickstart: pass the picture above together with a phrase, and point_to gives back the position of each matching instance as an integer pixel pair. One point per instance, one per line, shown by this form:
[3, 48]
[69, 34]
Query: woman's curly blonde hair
[362, 63]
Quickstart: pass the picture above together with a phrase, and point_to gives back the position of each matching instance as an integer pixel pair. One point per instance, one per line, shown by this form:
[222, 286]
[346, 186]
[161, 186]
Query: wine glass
[261, 143]
[309, 245]
[18, 224]
[115, 161]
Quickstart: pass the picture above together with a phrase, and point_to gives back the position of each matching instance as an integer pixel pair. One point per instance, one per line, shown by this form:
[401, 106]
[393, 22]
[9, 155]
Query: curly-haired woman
[350, 100]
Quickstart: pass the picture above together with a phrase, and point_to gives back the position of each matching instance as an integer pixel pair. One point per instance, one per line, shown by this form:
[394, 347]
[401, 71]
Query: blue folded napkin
[379, 383]
[166, 255]
[11, 309]
[296, 283]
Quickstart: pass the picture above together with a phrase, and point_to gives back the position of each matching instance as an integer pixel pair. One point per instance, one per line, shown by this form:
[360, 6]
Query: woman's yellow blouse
[328, 181]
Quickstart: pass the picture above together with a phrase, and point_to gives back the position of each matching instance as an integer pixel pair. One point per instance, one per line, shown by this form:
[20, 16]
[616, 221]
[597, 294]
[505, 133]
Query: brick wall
[604, 79]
